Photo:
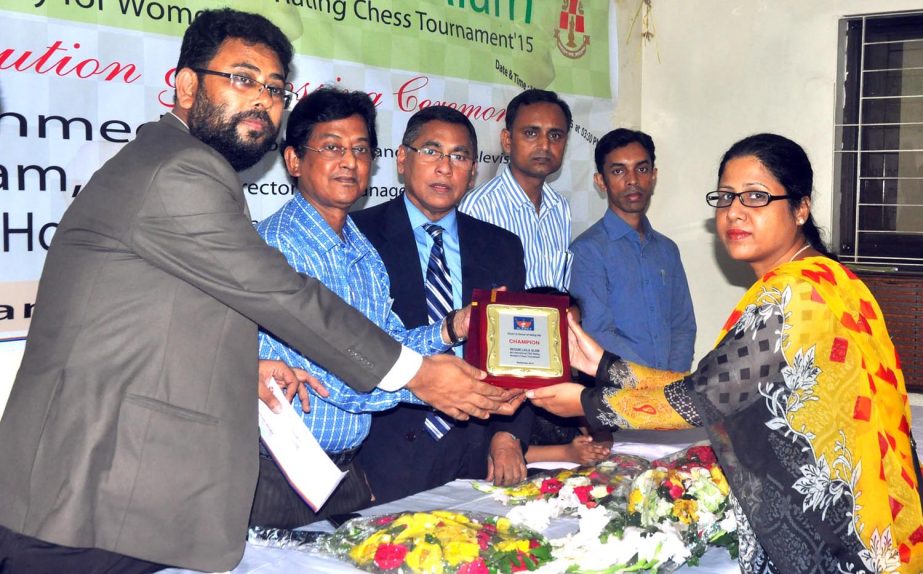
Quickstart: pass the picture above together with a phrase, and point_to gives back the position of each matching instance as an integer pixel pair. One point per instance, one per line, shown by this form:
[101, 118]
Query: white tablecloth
[460, 495]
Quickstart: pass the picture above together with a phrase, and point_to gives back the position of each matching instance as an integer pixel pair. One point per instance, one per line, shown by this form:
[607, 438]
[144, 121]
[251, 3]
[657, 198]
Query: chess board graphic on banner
[78, 77]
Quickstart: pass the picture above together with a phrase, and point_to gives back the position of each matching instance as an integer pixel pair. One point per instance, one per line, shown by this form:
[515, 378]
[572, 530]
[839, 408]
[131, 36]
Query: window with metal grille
[879, 155]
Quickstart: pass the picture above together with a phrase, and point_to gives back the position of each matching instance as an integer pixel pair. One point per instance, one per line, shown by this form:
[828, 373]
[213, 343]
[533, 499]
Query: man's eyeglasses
[331, 151]
[430, 155]
[249, 85]
[746, 198]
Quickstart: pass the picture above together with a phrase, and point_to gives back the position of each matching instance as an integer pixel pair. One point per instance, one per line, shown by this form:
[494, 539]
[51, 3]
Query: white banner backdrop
[73, 92]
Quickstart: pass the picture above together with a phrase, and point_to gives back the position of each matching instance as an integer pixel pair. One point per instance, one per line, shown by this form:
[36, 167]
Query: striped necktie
[438, 304]
[438, 279]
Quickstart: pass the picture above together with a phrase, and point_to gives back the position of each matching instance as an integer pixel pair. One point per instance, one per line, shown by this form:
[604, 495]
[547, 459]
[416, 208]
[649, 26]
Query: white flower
[881, 556]
[623, 551]
[729, 524]
[599, 491]
[671, 544]
[576, 481]
[566, 499]
[535, 514]
[593, 520]
[706, 519]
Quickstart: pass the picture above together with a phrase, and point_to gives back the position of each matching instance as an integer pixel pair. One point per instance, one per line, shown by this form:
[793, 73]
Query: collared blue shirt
[633, 294]
[451, 248]
[351, 268]
[545, 235]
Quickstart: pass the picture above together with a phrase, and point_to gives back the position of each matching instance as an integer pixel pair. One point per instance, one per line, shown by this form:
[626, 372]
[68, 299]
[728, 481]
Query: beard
[206, 122]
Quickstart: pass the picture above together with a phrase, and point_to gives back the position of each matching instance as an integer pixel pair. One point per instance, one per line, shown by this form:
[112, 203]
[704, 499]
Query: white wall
[717, 71]
[10, 357]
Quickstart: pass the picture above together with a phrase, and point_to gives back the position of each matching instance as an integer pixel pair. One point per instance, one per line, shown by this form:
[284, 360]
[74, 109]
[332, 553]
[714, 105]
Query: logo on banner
[523, 324]
[570, 35]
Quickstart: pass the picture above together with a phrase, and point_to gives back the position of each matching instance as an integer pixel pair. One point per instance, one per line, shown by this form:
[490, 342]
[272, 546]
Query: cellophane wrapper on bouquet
[438, 542]
[588, 485]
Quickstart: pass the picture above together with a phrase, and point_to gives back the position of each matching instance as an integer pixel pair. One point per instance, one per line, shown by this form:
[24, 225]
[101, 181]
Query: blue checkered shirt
[351, 268]
[545, 235]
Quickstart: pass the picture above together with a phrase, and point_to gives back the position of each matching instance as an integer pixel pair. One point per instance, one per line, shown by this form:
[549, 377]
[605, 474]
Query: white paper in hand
[303, 462]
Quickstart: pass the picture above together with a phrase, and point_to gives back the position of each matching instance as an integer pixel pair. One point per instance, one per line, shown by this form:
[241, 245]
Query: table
[460, 495]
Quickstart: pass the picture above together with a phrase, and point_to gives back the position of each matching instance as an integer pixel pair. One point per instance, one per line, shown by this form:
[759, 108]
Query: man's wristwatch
[454, 339]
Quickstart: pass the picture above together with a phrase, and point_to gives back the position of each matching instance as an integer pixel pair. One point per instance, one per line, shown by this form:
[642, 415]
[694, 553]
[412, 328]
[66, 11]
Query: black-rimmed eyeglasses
[255, 87]
[430, 155]
[746, 198]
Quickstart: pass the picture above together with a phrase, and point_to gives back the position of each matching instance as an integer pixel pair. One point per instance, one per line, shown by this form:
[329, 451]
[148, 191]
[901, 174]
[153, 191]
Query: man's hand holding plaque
[519, 339]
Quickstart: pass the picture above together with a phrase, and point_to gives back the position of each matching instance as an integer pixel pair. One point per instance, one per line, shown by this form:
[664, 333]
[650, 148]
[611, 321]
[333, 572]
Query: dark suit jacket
[132, 424]
[399, 456]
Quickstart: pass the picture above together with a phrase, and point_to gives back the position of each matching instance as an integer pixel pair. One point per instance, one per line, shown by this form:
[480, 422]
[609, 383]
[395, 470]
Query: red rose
[483, 539]
[676, 491]
[477, 566]
[583, 493]
[551, 486]
[703, 454]
[388, 556]
[381, 520]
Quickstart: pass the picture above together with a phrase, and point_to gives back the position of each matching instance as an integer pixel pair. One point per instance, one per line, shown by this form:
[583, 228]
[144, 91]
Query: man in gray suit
[130, 436]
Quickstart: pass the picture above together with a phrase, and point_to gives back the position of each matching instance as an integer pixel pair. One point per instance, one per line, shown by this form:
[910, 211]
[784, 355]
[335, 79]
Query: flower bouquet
[689, 489]
[438, 542]
[672, 513]
[563, 493]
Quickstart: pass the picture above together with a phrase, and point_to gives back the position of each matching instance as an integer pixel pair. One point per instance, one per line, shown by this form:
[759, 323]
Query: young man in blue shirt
[628, 278]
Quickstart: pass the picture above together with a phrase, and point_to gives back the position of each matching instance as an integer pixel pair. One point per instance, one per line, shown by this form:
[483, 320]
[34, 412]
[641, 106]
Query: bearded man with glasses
[130, 438]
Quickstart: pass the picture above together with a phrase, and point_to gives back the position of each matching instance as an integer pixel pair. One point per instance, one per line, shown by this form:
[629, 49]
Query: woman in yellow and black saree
[803, 397]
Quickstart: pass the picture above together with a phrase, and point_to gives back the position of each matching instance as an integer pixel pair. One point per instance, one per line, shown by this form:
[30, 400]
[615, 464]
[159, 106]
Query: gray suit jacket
[132, 424]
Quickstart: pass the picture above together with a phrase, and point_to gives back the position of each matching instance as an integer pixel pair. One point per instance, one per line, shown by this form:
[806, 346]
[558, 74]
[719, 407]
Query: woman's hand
[562, 399]
[585, 352]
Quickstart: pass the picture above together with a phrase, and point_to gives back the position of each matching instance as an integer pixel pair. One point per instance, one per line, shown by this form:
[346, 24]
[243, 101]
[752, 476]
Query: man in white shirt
[518, 199]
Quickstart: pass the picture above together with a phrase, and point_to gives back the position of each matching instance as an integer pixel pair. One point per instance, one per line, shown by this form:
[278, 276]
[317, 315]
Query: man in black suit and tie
[435, 257]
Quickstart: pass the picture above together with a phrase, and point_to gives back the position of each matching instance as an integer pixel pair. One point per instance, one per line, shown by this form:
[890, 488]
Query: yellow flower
[425, 558]
[507, 545]
[527, 490]
[503, 525]
[635, 499]
[720, 480]
[458, 551]
[453, 516]
[685, 511]
[364, 552]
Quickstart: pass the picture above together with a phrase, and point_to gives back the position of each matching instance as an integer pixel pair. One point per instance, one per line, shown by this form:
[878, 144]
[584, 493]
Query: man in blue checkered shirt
[329, 145]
